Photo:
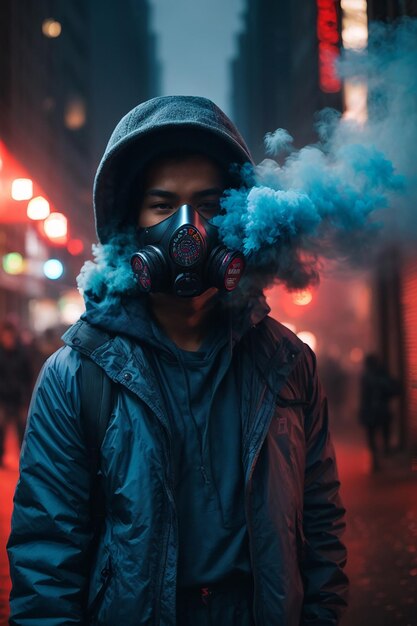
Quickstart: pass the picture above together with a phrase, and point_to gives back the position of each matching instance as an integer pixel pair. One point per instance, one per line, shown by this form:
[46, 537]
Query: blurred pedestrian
[377, 388]
[45, 344]
[335, 382]
[15, 382]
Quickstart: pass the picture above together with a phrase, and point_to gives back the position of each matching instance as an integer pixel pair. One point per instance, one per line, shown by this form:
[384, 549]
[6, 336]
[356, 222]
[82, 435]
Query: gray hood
[154, 127]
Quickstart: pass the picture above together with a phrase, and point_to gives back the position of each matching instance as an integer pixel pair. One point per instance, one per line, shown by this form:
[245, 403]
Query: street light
[302, 298]
[22, 189]
[38, 208]
[53, 269]
[56, 226]
[51, 28]
[13, 263]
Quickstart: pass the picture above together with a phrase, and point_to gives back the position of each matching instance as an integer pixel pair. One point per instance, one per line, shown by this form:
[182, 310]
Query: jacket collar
[122, 359]
[275, 352]
[272, 348]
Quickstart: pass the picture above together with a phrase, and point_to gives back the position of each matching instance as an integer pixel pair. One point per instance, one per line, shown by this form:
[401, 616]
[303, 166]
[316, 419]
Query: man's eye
[209, 207]
[162, 206]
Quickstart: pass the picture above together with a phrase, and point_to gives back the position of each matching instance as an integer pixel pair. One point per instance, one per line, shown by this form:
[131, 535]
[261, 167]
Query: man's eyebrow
[161, 193]
[213, 191]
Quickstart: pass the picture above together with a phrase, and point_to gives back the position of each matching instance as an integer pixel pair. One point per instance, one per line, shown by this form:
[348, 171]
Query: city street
[382, 535]
[381, 538]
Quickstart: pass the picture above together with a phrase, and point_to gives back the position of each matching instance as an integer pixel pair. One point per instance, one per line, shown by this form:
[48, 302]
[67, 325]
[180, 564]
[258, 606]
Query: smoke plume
[336, 199]
[110, 274]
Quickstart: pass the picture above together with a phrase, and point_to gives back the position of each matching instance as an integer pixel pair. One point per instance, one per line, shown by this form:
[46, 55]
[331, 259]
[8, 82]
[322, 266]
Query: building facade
[395, 293]
[278, 74]
[68, 71]
[277, 78]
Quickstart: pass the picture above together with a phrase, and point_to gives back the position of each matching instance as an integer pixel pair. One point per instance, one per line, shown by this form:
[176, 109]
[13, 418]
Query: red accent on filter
[233, 273]
[205, 594]
[141, 270]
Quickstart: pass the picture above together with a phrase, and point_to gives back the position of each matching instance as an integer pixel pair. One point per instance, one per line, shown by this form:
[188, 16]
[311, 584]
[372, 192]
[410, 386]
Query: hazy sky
[196, 41]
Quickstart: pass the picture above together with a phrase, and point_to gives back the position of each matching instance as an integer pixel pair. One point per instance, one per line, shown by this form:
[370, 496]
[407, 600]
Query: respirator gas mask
[182, 255]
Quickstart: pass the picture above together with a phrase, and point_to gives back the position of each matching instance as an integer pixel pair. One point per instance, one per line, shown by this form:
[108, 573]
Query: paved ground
[381, 538]
[382, 535]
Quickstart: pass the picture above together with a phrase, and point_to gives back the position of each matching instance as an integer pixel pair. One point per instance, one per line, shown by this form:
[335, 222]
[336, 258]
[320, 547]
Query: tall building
[68, 71]
[45, 101]
[388, 10]
[395, 292]
[280, 75]
[125, 65]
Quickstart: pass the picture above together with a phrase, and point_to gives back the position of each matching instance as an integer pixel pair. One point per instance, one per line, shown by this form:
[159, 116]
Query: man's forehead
[173, 164]
[164, 193]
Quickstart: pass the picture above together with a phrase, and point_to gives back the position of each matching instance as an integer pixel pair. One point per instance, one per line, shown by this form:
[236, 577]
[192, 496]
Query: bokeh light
[71, 306]
[75, 114]
[290, 326]
[51, 28]
[75, 246]
[22, 189]
[308, 338]
[13, 263]
[302, 298]
[56, 226]
[53, 269]
[356, 355]
[38, 208]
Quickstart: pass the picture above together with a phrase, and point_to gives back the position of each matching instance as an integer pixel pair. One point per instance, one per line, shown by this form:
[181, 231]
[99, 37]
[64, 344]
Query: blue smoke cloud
[331, 201]
[110, 274]
[335, 199]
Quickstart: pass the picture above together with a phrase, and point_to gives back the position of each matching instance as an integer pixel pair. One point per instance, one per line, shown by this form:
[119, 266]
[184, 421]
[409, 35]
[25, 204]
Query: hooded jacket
[294, 515]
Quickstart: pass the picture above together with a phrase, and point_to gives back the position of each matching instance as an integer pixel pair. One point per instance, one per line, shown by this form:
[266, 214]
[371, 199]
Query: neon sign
[329, 39]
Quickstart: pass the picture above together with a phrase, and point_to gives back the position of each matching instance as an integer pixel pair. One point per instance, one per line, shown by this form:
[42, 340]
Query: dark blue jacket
[294, 514]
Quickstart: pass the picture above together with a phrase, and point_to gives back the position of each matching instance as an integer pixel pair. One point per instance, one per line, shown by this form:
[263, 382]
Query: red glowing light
[302, 298]
[13, 211]
[75, 246]
[329, 39]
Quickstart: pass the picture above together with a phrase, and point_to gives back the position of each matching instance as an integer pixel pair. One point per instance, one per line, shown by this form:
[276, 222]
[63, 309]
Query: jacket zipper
[258, 406]
[248, 487]
[248, 508]
[170, 497]
[106, 573]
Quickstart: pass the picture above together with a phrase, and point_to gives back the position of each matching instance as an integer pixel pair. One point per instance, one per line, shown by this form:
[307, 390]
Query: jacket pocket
[98, 592]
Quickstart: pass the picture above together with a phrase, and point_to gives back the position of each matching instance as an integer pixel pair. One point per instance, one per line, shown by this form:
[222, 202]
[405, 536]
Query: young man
[219, 481]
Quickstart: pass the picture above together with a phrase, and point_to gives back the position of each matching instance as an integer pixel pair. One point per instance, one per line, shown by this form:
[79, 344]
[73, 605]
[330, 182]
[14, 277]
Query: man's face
[171, 182]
